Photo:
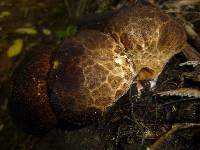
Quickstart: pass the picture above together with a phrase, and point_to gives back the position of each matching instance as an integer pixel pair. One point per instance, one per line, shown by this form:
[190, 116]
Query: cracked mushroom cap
[149, 36]
[90, 73]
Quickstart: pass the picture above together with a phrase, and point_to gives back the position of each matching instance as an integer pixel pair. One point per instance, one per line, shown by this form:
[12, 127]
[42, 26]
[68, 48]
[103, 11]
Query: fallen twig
[159, 144]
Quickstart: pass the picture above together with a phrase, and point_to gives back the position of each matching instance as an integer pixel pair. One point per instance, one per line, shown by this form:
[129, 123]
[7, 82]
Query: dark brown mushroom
[29, 104]
[92, 70]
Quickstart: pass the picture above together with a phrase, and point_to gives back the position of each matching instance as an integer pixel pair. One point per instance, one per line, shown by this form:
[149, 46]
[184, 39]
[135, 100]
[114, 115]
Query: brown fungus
[92, 70]
[29, 104]
[80, 87]
[149, 36]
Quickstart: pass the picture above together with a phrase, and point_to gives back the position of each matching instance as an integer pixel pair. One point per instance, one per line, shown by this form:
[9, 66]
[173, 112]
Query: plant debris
[16, 48]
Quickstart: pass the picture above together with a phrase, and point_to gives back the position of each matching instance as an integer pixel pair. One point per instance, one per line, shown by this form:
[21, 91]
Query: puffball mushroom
[92, 72]
[72, 86]
[29, 104]
[149, 37]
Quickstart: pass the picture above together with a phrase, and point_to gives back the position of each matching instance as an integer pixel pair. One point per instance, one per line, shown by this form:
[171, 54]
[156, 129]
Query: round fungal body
[72, 86]
[91, 73]
[149, 37]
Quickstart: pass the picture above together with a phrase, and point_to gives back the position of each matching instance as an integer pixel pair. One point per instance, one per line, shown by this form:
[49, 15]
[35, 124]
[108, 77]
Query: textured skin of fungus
[92, 70]
[149, 36]
[29, 105]
[92, 73]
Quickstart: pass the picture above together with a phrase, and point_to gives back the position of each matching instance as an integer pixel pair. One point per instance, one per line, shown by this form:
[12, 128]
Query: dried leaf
[46, 31]
[5, 14]
[26, 30]
[188, 92]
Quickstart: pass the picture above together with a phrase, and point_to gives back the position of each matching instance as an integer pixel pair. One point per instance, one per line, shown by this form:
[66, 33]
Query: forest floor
[30, 25]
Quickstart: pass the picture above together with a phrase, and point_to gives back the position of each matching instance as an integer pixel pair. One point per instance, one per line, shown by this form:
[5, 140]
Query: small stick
[159, 144]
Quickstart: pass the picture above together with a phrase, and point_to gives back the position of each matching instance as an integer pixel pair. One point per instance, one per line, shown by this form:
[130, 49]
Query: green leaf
[16, 48]
[68, 32]
[60, 34]
[71, 30]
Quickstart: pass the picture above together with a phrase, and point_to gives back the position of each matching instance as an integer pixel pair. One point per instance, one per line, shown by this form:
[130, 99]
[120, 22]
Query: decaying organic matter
[193, 58]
